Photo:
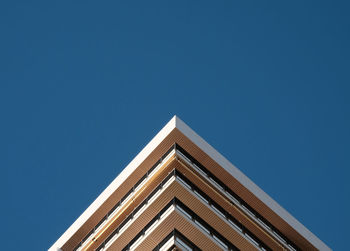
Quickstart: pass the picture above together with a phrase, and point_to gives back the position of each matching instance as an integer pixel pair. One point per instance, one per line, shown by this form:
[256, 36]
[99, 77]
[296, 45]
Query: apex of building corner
[175, 120]
[185, 131]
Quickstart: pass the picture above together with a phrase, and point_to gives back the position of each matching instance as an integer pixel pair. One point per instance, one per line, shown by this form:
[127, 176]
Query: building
[179, 193]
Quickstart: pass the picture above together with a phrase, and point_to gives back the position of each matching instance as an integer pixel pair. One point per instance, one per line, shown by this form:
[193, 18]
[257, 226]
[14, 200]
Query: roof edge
[249, 184]
[140, 157]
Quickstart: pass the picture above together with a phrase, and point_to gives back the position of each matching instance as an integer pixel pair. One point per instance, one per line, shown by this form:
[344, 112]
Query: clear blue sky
[85, 85]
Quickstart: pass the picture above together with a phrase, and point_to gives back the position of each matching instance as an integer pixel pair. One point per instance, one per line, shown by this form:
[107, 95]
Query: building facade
[179, 193]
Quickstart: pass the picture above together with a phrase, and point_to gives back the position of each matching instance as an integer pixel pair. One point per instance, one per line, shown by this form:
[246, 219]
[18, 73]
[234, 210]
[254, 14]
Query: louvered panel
[243, 192]
[177, 190]
[121, 190]
[163, 172]
[214, 194]
[175, 220]
[140, 222]
[212, 219]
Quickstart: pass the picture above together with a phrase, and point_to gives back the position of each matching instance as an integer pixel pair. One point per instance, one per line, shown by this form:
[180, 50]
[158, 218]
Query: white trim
[182, 244]
[216, 211]
[250, 185]
[168, 244]
[153, 226]
[197, 225]
[170, 126]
